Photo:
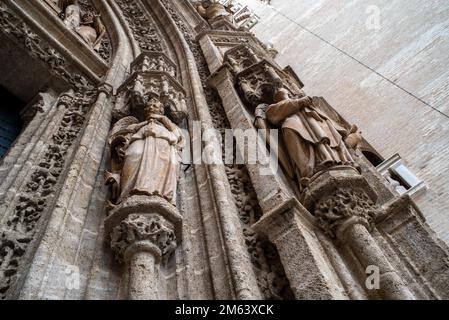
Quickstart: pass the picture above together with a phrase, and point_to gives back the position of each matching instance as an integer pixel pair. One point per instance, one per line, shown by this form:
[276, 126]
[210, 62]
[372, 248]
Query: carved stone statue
[145, 156]
[211, 10]
[92, 30]
[88, 25]
[313, 141]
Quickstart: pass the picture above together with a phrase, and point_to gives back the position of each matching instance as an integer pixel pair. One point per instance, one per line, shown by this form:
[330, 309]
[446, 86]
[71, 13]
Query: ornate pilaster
[24, 212]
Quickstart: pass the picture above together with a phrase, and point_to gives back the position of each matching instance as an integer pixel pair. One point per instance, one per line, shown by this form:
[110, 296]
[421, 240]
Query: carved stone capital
[106, 88]
[343, 208]
[143, 232]
[143, 223]
[340, 198]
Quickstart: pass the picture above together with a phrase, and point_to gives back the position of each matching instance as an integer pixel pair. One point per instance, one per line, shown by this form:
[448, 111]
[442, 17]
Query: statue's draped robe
[88, 34]
[313, 140]
[152, 160]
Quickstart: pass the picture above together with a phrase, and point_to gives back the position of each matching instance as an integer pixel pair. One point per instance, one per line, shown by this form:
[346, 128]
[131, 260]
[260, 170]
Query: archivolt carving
[266, 263]
[267, 266]
[141, 25]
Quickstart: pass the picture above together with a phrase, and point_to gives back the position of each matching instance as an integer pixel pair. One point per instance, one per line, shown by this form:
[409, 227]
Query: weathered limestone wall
[392, 81]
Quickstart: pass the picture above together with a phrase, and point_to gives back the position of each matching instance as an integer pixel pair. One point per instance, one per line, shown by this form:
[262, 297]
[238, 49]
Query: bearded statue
[313, 141]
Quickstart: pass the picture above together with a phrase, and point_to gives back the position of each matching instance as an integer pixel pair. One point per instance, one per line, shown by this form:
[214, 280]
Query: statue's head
[154, 106]
[88, 17]
[205, 4]
[281, 95]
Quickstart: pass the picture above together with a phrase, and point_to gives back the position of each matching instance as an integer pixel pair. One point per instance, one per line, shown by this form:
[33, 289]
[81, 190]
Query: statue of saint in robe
[145, 156]
[313, 141]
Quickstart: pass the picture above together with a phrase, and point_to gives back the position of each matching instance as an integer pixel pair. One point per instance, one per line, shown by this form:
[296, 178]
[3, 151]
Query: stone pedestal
[143, 230]
[345, 205]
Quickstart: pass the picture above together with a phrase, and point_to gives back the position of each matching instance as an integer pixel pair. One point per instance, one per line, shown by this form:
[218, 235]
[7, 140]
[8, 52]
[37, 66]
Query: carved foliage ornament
[267, 266]
[81, 17]
[143, 227]
[141, 25]
[345, 206]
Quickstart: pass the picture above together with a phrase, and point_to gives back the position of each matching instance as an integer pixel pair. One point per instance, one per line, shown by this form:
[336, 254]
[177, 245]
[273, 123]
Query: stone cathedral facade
[103, 194]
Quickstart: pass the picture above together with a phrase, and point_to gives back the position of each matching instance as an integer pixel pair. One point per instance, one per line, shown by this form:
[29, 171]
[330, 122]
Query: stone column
[344, 205]
[143, 230]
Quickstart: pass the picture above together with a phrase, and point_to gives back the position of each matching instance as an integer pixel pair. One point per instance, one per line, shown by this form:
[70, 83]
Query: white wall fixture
[399, 176]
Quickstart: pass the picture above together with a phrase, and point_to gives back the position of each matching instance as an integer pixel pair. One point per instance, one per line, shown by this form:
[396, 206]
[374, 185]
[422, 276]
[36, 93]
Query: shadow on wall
[10, 120]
